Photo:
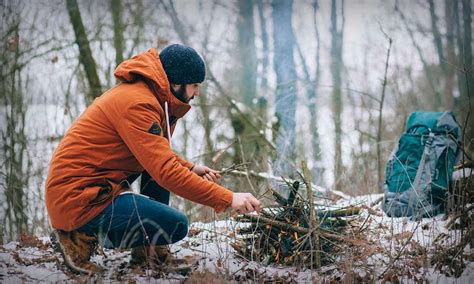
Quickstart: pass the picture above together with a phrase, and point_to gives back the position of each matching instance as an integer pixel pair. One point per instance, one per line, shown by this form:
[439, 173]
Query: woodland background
[330, 82]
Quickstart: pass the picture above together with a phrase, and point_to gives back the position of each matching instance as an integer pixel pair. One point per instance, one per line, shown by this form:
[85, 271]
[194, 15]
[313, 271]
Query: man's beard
[180, 94]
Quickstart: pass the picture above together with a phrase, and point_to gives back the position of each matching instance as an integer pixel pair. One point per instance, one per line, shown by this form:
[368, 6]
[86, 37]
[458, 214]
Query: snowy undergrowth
[381, 248]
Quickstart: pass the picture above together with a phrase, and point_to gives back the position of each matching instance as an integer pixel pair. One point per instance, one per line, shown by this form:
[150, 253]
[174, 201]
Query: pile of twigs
[293, 232]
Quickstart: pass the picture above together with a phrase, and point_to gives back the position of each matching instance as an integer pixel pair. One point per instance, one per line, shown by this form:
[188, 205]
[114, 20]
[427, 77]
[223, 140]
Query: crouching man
[124, 134]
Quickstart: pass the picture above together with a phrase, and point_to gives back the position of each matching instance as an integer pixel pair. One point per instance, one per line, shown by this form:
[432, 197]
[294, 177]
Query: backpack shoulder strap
[424, 164]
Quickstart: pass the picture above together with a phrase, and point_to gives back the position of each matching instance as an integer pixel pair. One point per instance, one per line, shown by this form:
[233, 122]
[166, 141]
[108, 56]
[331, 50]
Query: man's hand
[245, 202]
[206, 173]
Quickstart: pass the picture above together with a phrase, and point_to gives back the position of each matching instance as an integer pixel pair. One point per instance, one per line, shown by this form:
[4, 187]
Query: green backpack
[419, 172]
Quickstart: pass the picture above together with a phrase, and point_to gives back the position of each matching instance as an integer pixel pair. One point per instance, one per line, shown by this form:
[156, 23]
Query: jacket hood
[148, 65]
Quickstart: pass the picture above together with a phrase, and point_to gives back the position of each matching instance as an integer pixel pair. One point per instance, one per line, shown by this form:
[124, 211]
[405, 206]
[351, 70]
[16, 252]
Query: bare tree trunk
[207, 124]
[265, 49]
[188, 205]
[450, 55]
[467, 44]
[14, 140]
[436, 34]
[460, 59]
[284, 64]
[246, 62]
[262, 102]
[246, 52]
[380, 121]
[116, 10]
[336, 67]
[468, 71]
[311, 88]
[85, 53]
[313, 107]
[139, 22]
[438, 43]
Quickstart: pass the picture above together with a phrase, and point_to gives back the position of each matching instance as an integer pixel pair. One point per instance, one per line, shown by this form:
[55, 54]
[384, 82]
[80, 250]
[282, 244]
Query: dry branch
[313, 218]
[294, 232]
[266, 176]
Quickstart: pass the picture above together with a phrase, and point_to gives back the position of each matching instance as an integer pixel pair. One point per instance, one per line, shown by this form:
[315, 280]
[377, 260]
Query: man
[123, 134]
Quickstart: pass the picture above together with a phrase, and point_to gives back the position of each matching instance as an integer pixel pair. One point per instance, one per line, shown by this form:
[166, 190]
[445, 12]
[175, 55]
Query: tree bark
[265, 49]
[207, 124]
[450, 55]
[139, 23]
[246, 83]
[13, 136]
[312, 104]
[85, 53]
[380, 120]
[246, 52]
[116, 10]
[283, 61]
[436, 34]
[460, 58]
[468, 71]
[467, 44]
[336, 67]
[438, 43]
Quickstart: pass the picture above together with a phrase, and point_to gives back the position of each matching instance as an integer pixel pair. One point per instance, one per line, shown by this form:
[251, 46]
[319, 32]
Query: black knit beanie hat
[182, 64]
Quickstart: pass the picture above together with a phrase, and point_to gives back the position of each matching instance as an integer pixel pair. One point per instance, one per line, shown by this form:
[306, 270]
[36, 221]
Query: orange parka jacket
[122, 133]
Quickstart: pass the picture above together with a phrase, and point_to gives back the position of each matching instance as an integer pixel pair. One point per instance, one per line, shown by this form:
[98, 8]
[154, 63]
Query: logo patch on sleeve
[155, 129]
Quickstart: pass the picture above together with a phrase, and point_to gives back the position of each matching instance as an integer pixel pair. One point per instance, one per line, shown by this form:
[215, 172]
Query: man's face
[185, 93]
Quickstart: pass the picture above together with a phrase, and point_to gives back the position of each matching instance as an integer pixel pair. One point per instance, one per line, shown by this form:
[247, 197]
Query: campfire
[295, 231]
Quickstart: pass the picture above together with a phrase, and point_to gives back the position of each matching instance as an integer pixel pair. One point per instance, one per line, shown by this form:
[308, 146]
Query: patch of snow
[6, 258]
[461, 173]
[393, 241]
[10, 246]
[44, 273]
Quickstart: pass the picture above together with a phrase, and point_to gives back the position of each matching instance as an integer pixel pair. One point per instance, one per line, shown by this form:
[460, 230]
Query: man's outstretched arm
[155, 155]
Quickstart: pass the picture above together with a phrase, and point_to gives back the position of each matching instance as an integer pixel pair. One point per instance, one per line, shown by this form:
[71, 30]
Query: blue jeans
[133, 220]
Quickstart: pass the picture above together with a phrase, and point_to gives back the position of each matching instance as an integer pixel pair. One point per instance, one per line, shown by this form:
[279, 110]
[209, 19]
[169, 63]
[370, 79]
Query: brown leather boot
[77, 249]
[159, 257]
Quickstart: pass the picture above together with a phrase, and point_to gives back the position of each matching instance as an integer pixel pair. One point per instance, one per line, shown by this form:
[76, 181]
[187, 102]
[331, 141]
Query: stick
[219, 153]
[234, 167]
[283, 225]
[266, 176]
[313, 218]
[275, 223]
[294, 190]
[344, 212]
[278, 198]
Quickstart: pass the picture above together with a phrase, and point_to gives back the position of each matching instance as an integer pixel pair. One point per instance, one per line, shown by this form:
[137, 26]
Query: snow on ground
[384, 248]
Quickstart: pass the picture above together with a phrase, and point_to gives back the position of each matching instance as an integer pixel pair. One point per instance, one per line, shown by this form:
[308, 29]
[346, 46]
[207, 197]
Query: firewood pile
[292, 232]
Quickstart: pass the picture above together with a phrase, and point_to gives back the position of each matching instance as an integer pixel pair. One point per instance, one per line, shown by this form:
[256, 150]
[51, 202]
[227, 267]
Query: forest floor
[388, 249]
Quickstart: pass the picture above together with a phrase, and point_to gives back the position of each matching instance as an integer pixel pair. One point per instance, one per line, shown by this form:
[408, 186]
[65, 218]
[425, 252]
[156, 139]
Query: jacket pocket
[103, 194]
